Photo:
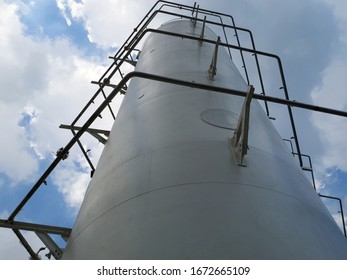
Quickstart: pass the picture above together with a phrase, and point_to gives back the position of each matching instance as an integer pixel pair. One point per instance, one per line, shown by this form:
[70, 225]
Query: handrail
[218, 14]
[341, 210]
[279, 62]
[310, 170]
[125, 47]
[117, 67]
[215, 14]
[253, 51]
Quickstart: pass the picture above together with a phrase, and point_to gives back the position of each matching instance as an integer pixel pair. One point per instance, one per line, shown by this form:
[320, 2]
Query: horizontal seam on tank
[203, 141]
[150, 151]
[180, 185]
[192, 141]
[183, 93]
[283, 161]
[270, 153]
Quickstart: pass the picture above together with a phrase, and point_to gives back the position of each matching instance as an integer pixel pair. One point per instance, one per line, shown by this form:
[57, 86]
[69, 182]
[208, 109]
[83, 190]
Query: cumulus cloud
[63, 6]
[43, 80]
[20, 59]
[72, 184]
[339, 8]
[16, 161]
[332, 92]
[105, 20]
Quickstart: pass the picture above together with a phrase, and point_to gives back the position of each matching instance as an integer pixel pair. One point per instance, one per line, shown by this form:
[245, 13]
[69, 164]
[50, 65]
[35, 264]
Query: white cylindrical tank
[168, 187]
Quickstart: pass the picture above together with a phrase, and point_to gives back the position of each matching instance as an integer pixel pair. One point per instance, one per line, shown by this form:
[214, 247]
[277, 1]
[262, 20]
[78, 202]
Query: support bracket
[202, 31]
[121, 91]
[92, 131]
[239, 142]
[131, 62]
[42, 231]
[196, 11]
[50, 244]
[213, 66]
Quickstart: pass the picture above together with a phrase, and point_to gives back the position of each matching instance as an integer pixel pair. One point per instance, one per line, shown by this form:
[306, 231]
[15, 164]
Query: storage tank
[167, 185]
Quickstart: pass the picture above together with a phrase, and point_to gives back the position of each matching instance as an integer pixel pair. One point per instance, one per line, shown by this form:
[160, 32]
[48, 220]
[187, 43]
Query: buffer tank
[167, 185]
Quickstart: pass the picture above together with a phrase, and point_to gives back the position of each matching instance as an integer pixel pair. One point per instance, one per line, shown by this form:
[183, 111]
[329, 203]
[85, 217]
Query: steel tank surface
[167, 185]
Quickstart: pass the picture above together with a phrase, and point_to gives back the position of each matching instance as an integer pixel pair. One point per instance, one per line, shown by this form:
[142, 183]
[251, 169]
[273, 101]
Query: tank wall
[167, 186]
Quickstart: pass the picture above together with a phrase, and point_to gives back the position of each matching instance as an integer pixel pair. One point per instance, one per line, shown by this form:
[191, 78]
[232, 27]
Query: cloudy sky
[50, 51]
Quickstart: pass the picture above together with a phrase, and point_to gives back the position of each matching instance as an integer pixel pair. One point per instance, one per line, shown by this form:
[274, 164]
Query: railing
[310, 169]
[341, 210]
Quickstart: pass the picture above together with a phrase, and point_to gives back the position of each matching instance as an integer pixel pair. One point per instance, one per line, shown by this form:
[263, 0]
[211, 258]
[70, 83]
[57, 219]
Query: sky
[51, 50]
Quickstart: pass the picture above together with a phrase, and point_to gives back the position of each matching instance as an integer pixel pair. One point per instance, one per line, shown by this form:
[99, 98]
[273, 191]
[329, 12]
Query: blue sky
[50, 50]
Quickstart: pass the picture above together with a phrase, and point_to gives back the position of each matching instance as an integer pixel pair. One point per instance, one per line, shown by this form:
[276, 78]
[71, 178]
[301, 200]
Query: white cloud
[16, 160]
[332, 90]
[4, 214]
[22, 61]
[72, 176]
[49, 81]
[107, 22]
[332, 130]
[72, 184]
[320, 185]
[339, 8]
[62, 6]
